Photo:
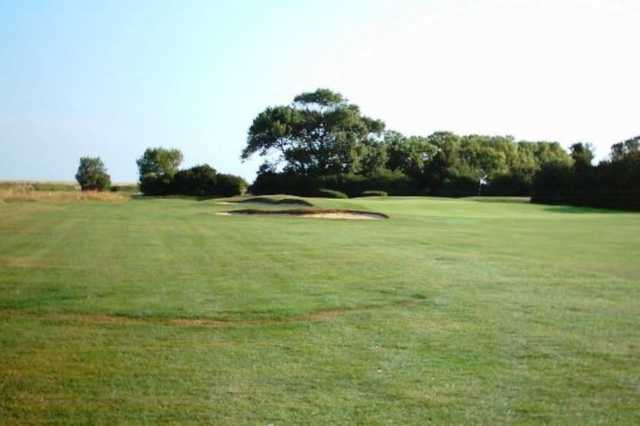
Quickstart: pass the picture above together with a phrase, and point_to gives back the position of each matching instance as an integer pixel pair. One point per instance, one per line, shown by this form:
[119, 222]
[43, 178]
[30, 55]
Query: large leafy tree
[582, 155]
[408, 154]
[627, 149]
[157, 167]
[159, 161]
[92, 174]
[320, 133]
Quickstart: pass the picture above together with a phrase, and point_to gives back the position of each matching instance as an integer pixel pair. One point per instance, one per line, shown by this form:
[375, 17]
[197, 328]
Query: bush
[230, 185]
[374, 194]
[329, 193]
[92, 175]
[510, 184]
[459, 186]
[152, 184]
[197, 181]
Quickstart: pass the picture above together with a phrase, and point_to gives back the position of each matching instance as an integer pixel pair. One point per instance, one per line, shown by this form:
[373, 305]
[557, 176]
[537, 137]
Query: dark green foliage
[159, 175]
[157, 166]
[92, 175]
[230, 185]
[374, 194]
[324, 142]
[319, 134]
[196, 181]
[509, 184]
[159, 162]
[394, 183]
[330, 193]
[613, 184]
[152, 184]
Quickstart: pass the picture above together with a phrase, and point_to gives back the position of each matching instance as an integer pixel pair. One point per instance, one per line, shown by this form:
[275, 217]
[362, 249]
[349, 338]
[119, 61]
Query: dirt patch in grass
[319, 315]
[313, 213]
[20, 262]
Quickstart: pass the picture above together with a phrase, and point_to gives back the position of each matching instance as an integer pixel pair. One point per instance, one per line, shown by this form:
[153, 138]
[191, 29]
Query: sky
[111, 78]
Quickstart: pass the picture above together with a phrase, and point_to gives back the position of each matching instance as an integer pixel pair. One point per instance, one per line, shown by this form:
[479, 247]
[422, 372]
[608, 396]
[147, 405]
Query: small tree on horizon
[92, 174]
[157, 167]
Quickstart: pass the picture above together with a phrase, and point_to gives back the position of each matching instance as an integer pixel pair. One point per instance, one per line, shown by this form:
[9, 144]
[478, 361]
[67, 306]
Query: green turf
[452, 311]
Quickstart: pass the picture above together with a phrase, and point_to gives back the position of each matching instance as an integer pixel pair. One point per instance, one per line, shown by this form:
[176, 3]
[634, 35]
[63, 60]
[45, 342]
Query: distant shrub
[92, 175]
[152, 184]
[374, 194]
[230, 185]
[198, 181]
[330, 193]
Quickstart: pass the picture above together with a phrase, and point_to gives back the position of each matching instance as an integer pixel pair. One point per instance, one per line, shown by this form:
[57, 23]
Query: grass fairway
[452, 311]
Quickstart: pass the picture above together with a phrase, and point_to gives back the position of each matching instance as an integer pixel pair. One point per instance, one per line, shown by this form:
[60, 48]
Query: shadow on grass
[490, 199]
[583, 210]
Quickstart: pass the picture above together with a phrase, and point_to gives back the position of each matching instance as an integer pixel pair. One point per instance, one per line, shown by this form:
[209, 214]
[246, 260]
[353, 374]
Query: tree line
[322, 141]
[159, 174]
[322, 144]
[613, 183]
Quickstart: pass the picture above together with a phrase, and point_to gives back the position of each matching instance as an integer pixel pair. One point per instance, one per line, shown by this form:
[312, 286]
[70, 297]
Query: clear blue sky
[110, 78]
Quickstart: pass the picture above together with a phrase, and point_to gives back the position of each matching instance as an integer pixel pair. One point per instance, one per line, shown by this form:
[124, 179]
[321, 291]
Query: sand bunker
[313, 213]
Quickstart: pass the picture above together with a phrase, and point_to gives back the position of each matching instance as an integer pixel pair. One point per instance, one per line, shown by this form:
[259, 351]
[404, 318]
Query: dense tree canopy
[159, 162]
[92, 174]
[613, 183]
[440, 164]
[320, 133]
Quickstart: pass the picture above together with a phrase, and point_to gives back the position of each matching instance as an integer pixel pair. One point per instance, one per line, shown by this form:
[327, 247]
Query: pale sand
[311, 215]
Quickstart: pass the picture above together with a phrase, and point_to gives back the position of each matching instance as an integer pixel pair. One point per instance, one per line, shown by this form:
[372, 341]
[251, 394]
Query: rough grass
[26, 192]
[159, 311]
[40, 186]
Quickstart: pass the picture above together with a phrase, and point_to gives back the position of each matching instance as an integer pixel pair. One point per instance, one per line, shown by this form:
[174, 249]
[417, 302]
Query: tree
[157, 166]
[408, 154]
[159, 161]
[230, 185]
[198, 181]
[582, 155]
[626, 149]
[320, 133]
[92, 175]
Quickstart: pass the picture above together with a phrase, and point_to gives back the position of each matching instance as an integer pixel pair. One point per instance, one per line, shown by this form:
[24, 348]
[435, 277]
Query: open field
[451, 311]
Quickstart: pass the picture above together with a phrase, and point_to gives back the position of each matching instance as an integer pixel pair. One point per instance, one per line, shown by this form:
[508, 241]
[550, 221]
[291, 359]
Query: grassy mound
[320, 213]
[276, 201]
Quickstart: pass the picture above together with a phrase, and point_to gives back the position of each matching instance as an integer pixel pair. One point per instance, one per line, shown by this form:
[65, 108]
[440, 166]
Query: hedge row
[599, 198]
[351, 185]
[200, 181]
